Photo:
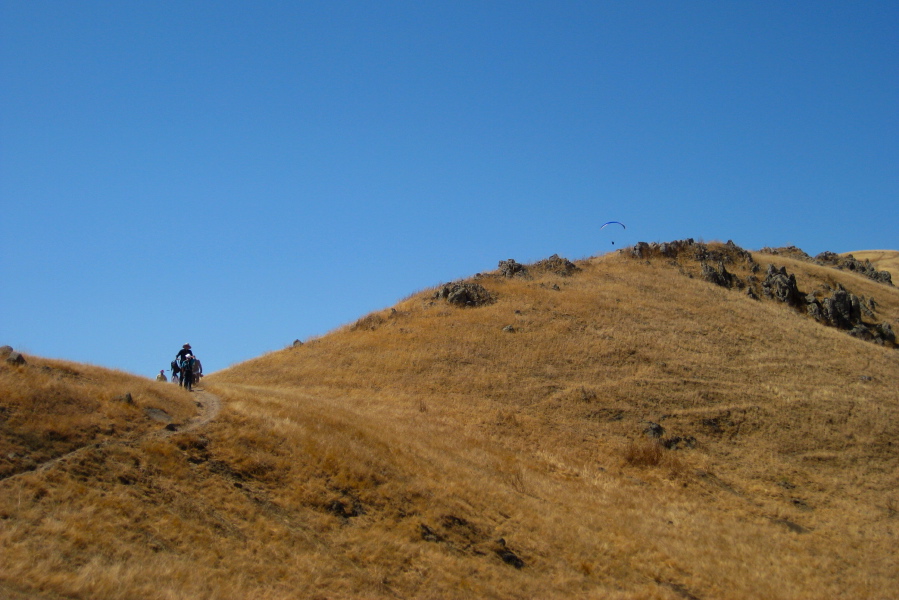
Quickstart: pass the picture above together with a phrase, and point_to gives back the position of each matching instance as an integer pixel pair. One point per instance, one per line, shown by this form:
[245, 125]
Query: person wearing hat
[179, 362]
[185, 350]
[161, 376]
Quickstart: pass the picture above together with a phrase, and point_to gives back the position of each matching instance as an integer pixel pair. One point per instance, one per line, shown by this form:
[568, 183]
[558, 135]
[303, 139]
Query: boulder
[842, 309]
[654, 430]
[640, 250]
[885, 332]
[5, 351]
[511, 268]
[780, 285]
[861, 332]
[14, 358]
[718, 276]
[464, 294]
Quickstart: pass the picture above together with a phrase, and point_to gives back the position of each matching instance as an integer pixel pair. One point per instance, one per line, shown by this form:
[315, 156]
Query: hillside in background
[670, 421]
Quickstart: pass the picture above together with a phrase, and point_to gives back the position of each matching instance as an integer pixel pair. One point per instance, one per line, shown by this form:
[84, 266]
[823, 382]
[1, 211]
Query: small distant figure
[187, 372]
[161, 376]
[178, 363]
[198, 370]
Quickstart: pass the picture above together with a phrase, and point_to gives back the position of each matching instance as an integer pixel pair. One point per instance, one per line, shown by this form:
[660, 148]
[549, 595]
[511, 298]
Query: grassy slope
[389, 458]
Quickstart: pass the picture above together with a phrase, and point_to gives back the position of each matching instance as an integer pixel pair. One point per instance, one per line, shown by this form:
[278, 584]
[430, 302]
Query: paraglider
[606, 224]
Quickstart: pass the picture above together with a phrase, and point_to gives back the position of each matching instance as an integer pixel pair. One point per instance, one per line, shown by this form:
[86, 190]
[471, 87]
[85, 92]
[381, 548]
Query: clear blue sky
[240, 174]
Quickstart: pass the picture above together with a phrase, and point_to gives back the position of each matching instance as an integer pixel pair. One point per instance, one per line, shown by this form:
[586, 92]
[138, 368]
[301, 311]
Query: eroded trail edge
[209, 406]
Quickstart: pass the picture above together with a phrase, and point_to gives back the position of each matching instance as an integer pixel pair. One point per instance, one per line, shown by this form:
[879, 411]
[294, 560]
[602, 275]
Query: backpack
[175, 368]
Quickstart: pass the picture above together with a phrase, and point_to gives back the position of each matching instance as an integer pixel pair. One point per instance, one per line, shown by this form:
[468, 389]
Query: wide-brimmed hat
[186, 346]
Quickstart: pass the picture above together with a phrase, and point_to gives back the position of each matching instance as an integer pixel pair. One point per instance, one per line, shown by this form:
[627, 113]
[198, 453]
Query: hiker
[185, 350]
[198, 370]
[161, 376]
[187, 372]
[177, 363]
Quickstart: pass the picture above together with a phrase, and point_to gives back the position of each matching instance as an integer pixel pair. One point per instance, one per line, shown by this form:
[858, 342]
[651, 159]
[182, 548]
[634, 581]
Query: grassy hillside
[507, 451]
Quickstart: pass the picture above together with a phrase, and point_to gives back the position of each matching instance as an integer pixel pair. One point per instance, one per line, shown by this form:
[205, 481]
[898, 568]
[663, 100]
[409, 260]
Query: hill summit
[678, 420]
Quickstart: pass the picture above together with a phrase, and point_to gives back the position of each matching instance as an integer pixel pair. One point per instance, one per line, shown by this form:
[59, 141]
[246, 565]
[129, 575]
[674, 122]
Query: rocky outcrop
[511, 268]
[788, 251]
[842, 310]
[558, 265]
[689, 249]
[780, 285]
[850, 263]
[847, 311]
[464, 294]
[833, 307]
[719, 275]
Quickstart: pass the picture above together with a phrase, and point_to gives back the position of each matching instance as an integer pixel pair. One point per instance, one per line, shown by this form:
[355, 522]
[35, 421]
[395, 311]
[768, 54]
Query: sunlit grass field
[431, 451]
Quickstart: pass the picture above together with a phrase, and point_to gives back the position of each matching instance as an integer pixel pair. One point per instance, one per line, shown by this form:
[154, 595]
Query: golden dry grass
[423, 451]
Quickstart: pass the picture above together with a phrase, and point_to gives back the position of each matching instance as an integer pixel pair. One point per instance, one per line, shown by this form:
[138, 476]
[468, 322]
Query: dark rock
[780, 285]
[718, 276]
[464, 294]
[640, 250]
[842, 309]
[15, 358]
[861, 332]
[654, 430]
[800, 504]
[850, 263]
[345, 510]
[297, 343]
[5, 351]
[126, 398]
[885, 331]
[814, 311]
[507, 556]
[789, 251]
[510, 268]
[428, 534]
[676, 441]
[867, 307]
[510, 558]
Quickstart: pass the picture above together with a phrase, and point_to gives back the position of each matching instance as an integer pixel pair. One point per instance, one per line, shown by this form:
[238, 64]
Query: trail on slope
[209, 404]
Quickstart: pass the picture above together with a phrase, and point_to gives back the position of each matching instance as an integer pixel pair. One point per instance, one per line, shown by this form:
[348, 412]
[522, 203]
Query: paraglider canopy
[607, 223]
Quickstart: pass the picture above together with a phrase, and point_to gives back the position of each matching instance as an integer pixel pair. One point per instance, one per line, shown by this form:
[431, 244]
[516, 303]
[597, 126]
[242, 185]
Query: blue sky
[238, 175]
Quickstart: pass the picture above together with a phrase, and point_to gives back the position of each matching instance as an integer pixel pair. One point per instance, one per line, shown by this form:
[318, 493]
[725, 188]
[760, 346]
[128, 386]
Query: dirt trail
[209, 406]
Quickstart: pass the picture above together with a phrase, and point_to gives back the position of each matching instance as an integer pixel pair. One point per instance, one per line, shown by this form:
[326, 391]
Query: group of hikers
[186, 369]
